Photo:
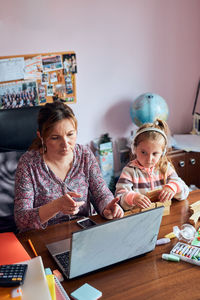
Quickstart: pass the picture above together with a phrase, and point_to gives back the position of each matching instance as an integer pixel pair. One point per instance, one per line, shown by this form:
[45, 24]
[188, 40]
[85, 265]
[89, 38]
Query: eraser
[58, 275]
[86, 291]
[16, 292]
[163, 241]
[170, 257]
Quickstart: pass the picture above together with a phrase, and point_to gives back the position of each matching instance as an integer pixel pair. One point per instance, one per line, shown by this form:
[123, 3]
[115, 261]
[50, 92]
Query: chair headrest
[18, 128]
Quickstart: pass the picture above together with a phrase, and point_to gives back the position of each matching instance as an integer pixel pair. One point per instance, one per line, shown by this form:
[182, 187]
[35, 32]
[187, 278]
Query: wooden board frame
[47, 76]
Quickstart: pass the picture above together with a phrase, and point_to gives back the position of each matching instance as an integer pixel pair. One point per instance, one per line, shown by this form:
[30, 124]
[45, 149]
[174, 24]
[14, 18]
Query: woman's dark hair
[48, 116]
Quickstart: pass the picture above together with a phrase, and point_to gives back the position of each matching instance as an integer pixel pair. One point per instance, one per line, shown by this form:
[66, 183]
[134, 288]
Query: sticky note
[47, 271]
[86, 292]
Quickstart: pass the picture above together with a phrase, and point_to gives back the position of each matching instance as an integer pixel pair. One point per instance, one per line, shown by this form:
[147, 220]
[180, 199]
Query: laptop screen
[114, 241]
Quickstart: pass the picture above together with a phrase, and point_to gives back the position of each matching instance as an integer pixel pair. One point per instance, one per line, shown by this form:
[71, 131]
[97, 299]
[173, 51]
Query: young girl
[150, 169]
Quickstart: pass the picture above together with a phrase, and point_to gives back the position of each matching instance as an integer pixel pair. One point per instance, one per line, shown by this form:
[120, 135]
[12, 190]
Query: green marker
[170, 257]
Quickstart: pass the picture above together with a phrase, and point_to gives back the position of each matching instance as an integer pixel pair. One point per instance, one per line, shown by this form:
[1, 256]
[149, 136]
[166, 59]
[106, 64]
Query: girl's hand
[166, 194]
[67, 205]
[113, 210]
[141, 201]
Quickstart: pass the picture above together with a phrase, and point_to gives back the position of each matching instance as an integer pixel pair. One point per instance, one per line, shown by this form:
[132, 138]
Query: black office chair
[17, 130]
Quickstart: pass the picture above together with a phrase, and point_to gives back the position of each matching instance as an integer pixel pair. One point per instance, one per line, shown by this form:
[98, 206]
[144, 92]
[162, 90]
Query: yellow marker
[170, 235]
[32, 247]
[51, 285]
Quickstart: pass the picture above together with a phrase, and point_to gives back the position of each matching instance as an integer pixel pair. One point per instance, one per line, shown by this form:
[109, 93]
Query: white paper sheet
[187, 142]
[11, 69]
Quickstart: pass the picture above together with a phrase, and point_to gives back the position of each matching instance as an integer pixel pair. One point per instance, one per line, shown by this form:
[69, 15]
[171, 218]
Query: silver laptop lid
[114, 241]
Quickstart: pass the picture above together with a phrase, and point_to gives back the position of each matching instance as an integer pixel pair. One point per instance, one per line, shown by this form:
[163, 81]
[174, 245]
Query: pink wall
[124, 48]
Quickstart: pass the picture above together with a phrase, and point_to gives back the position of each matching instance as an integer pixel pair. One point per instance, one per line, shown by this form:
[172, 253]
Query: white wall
[124, 48]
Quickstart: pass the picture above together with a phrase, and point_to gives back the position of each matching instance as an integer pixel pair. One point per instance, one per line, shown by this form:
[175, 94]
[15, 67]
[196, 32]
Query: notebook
[35, 285]
[106, 244]
[11, 250]
[60, 291]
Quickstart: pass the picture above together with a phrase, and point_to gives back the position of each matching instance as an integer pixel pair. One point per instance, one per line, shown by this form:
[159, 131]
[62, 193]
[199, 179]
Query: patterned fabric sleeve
[124, 188]
[26, 216]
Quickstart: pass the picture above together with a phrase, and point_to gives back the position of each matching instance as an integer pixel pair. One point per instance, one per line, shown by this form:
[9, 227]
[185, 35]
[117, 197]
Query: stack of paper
[187, 142]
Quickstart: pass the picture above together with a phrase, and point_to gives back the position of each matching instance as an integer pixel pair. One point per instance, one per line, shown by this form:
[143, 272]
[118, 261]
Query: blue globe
[147, 107]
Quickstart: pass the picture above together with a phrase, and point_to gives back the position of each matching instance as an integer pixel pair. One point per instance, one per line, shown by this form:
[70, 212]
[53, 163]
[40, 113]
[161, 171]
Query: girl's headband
[150, 129]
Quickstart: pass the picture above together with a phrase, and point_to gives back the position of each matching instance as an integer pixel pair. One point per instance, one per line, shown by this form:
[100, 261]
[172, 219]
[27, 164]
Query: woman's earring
[44, 147]
[134, 154]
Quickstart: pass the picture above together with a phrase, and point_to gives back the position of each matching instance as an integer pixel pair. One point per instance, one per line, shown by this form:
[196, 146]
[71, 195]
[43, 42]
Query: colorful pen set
[187, 252]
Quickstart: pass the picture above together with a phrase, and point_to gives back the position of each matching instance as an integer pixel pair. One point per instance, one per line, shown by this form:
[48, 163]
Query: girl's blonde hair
[157, 136]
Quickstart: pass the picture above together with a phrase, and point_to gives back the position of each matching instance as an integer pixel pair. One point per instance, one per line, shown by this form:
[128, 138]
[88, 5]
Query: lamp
[196, 116]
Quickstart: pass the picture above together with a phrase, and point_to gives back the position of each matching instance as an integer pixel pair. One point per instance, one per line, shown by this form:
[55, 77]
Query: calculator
[12, 275]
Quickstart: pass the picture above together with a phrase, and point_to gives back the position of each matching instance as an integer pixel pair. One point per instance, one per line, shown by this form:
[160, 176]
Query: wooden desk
[147, 277]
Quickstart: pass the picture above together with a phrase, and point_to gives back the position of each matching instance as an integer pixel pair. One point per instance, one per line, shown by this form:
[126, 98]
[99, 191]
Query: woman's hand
[166, 194]
[67, 205]
[113, 210]
[64, 204]
[141, 201]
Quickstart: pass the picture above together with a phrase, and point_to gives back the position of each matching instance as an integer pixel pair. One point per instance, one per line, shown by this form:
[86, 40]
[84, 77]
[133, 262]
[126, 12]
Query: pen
[179, 251]
[32, 247]
[175, 248]
[185, 250]
[193, 253]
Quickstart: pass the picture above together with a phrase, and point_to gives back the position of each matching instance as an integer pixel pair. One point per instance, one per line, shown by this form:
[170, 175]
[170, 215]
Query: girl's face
[62, 138]
[149, 152]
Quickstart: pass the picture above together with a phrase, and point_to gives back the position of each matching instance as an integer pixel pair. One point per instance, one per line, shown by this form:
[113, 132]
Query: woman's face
[62, 138]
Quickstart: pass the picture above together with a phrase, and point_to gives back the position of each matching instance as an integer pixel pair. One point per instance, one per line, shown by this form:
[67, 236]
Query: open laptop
[106, 244]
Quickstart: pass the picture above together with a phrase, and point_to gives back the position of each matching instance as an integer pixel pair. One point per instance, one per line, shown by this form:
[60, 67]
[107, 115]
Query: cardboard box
[104, 155]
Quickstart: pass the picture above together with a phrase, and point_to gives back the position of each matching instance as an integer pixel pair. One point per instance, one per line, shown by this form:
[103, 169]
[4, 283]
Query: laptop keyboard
[63, 259]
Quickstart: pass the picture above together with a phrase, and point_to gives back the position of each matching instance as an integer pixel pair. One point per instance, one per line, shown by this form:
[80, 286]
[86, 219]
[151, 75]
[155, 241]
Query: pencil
[32, 247]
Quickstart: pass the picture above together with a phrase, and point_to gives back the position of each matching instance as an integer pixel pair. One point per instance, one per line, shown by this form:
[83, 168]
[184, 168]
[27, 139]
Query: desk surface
[147, 277]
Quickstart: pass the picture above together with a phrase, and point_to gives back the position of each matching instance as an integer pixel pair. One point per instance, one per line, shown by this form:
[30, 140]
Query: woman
[57, 179]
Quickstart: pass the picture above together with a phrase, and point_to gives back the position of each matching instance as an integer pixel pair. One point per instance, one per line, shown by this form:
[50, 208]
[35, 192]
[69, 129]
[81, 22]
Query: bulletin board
[36, 79]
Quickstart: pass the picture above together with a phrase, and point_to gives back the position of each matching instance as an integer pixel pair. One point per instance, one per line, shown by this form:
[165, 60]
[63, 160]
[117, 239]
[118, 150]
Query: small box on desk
[104, 155]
